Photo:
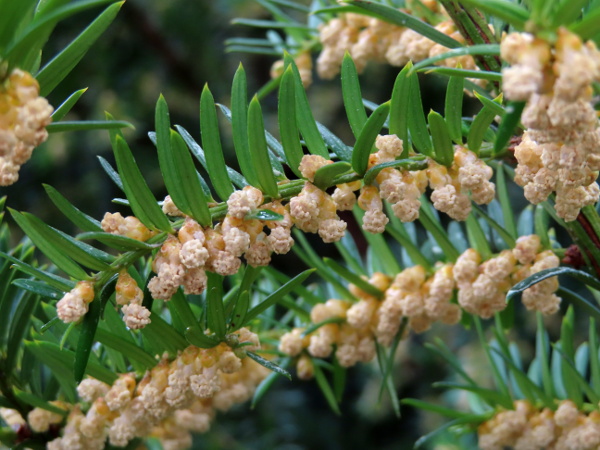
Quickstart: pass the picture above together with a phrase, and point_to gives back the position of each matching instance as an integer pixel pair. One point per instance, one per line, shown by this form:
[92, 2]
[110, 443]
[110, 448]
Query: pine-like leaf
[400, 108]
[215, 313]
[355, 111]
[402, 19]
[82, 220]
[259, 151]
[327, 175]
[288, 127]
[366, 139]
[417, 124]
[353, 278]
[141, 200]
[269, 365]
[211, 141]
[440, 135]
[508, 125]
[14, 15]
[49, 243]
[277, 295]
[66, 106]
[85, 125]
[453, 108]
[89, 326]
[306, 122]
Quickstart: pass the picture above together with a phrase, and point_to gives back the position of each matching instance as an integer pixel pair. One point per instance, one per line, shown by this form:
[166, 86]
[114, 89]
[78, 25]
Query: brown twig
[474, 28]
[591, 234]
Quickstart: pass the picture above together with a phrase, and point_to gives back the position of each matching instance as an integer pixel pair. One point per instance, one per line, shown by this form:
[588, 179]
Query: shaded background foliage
[174, 47]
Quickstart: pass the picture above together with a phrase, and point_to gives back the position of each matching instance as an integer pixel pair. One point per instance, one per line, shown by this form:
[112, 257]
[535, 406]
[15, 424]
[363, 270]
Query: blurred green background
[173, 48]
